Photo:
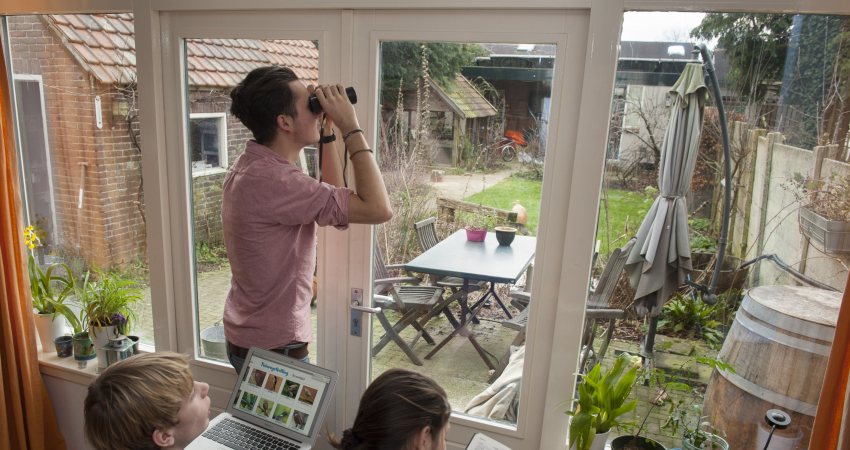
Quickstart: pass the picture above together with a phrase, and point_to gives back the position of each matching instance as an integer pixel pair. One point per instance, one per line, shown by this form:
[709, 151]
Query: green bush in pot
[107, 299]
[48, 287]
[602, 396]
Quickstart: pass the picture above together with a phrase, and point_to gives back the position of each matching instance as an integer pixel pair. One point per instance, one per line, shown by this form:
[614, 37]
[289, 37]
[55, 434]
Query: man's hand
[337, 107]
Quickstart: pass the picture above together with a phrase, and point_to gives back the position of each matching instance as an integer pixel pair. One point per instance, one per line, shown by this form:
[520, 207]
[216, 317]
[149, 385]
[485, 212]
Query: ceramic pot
[135, 340]
[476, 234]
[505, 235]
[599, 440]
[64, 346]
[83, 348]
[100, 337]
[630, 442]
[44, 327]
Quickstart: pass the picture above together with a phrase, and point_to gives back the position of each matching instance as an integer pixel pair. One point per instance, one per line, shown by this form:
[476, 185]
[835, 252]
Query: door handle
[357, 310]
[355, 305]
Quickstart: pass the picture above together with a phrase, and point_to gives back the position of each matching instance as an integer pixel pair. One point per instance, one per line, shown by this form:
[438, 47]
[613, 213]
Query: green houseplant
[601, 401]
[50, 287]
[108, 300]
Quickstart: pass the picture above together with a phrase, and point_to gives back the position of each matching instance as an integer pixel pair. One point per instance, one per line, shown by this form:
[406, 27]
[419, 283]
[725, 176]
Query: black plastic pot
[635, 443]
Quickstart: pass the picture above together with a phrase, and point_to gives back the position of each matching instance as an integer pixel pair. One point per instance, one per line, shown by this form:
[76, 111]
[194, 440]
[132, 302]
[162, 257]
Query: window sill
[207, 172]
[67, 369]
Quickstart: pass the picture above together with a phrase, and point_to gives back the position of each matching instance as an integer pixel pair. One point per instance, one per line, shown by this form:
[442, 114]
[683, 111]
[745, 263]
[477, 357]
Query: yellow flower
[31, 238]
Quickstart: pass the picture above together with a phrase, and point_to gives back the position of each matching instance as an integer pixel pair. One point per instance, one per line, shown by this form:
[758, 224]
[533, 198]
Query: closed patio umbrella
[661, 257]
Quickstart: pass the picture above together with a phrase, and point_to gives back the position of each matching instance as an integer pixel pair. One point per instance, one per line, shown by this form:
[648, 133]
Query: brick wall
[110, 228]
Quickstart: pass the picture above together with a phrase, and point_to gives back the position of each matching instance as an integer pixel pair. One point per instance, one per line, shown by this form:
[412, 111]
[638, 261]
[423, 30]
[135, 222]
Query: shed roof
[464, 98]
[104, 45]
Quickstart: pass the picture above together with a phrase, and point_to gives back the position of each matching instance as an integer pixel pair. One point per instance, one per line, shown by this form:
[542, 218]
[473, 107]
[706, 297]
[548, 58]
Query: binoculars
[316, 107]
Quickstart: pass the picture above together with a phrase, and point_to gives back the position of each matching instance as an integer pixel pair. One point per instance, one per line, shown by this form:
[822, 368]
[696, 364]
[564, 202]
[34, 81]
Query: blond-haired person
[145, 402]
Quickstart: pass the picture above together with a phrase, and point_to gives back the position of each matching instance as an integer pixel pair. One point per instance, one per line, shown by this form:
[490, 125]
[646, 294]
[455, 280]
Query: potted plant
[825, 214]
[601, 401]
[686, 413]
[106, 305]
[477, 223]
[49, 287]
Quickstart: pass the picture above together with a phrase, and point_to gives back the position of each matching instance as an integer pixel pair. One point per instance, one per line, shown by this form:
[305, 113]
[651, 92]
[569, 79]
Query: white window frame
[586, 170]
[222, 144]
[47, 150]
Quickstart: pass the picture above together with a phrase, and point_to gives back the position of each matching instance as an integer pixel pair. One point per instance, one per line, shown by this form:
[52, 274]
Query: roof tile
[105, 45]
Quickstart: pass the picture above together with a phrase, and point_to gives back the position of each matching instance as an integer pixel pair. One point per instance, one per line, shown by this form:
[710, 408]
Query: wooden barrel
[778, 345]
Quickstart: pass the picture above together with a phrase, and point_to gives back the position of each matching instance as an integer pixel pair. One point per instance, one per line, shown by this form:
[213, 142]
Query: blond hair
[134, 397]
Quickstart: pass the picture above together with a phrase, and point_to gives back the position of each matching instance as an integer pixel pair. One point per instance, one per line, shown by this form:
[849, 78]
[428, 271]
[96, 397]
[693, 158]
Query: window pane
[78, 135]
[462, 144]
[770, 318]
[215, 139]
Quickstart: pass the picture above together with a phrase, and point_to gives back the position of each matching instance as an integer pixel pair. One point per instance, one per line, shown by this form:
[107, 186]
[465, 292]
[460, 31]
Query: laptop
[277, 403]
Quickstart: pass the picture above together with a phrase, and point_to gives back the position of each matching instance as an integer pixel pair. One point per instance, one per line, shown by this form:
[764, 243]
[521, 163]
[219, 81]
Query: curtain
[831, 420]
[27, 421]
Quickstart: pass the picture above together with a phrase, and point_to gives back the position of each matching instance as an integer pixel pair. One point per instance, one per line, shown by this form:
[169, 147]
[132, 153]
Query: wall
[109, 228]
[68, 398]
[770, 215]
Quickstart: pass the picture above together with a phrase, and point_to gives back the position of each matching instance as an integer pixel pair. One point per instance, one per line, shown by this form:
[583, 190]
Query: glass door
[442, 94]
[467, 116]
[206, 55]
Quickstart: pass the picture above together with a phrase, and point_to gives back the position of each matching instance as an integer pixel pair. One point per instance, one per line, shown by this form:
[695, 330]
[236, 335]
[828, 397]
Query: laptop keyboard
[239, 436]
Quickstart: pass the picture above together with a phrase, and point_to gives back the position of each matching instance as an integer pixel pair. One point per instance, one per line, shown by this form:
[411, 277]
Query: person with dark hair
[149, 401]
[400, 410]
[271, 209]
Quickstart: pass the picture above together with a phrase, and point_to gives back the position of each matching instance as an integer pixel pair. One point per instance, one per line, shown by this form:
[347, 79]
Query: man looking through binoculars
[271, 209]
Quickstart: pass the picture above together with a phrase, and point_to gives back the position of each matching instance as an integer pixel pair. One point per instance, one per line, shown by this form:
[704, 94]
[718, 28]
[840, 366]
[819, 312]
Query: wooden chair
[598, 309]
[416, 304]
[426, 234]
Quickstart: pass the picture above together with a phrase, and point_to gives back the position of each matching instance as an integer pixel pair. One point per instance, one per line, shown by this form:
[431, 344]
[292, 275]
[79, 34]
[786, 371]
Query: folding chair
[426, 234]
[599, 307]
[414, 302]
[598, 310]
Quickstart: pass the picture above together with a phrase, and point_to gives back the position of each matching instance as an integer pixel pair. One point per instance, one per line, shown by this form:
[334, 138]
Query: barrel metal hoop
[781, 338]
[766, 394]
[797, 325]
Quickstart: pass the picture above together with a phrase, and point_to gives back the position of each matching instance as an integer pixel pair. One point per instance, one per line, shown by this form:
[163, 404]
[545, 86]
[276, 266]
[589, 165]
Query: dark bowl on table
[505, 235]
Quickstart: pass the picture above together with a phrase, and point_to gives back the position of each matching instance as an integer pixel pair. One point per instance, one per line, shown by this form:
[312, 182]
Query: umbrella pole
[649, 339]
[711, 298]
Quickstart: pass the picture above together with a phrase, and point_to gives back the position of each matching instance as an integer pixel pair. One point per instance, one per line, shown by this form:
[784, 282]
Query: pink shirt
[270, 210]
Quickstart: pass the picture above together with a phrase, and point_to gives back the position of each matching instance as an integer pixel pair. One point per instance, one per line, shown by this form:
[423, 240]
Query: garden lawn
[502, 195]
[626, 210]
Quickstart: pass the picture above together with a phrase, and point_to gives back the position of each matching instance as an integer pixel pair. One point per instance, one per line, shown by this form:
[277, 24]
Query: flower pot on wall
[831, 236]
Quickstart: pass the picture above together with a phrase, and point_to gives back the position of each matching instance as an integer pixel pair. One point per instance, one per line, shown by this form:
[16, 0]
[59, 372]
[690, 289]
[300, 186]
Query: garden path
[456, 187]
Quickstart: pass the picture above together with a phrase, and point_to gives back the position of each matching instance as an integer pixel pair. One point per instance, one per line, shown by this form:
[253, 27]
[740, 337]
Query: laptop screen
[284, 396]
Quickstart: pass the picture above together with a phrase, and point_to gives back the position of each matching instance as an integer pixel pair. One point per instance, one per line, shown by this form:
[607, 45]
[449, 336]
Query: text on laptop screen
[281, 394]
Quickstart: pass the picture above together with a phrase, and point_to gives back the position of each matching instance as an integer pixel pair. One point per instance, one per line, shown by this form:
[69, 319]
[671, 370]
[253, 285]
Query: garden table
[475, 261]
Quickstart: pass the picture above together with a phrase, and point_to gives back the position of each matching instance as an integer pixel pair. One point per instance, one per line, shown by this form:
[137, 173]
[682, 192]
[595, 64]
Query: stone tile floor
[457, 367]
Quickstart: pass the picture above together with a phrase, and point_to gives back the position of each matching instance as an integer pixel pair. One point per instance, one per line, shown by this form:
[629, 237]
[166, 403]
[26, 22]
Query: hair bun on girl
[350, 441]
